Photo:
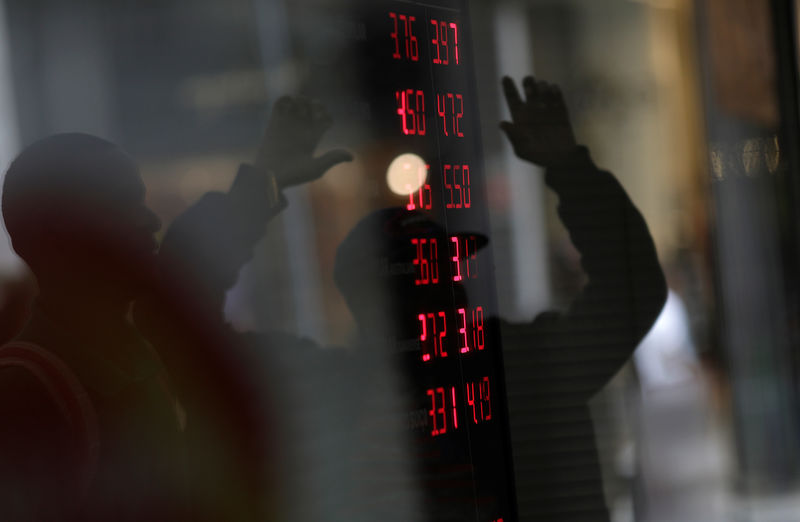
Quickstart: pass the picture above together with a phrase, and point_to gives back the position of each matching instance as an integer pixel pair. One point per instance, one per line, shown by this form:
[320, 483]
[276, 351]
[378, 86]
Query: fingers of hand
[512, 96]
[531, 88]
[540, 93]
[551, 93]
[299, 120]
[282, 116]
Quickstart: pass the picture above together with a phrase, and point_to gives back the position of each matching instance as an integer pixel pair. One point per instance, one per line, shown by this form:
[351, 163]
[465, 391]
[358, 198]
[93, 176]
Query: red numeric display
[470, 328]
[405, 43]
[443, 401]
[433, 332]
[456, 186]
[447, 363]
[464, 257]
[411, 109]
[450, 108]
[433, 329]
[440, 410]
[422, 198]
[445, 42]
[480, 404]
[427, 260]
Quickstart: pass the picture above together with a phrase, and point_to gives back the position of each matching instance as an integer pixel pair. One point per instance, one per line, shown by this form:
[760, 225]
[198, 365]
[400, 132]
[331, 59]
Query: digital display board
[417, 74]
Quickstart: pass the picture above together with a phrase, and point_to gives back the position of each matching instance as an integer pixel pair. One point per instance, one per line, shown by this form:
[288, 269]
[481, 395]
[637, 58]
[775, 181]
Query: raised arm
[626, 288]
[207, 245]
[205, 248]
[211, 367]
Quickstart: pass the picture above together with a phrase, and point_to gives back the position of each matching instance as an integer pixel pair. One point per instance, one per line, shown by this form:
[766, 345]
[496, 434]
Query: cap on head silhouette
[375, 269]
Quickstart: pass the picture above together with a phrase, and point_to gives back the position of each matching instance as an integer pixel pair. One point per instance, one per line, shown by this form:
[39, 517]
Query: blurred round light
[406, 174]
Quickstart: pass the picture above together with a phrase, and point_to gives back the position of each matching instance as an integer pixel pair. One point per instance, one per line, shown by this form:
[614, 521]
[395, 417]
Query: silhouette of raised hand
[540, 131]
[294, 130]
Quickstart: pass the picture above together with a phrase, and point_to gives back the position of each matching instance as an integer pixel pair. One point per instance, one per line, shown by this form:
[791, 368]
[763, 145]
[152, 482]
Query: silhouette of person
[16, 297]
[557, 362]
[554, 364]
[154, 414]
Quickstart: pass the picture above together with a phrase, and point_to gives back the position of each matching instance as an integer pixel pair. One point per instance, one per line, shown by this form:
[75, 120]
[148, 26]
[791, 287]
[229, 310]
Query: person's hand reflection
[295, 128]
[540, 131]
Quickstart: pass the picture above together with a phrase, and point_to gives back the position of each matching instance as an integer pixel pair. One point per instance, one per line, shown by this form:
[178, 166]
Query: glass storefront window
[399, 260]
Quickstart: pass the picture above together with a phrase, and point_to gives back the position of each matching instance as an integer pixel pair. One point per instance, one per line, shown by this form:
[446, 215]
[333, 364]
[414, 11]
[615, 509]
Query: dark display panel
[417, 74]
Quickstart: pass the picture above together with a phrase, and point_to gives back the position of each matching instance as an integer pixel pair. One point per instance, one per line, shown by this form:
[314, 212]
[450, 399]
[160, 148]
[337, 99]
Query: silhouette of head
[73, 205]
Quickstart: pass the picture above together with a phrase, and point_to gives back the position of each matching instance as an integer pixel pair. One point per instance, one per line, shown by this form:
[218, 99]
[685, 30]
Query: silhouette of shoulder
[37, 448]
[28, 407]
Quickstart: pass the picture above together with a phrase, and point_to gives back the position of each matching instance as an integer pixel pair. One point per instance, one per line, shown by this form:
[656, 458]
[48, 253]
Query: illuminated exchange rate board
[399, 79]
[417, 74]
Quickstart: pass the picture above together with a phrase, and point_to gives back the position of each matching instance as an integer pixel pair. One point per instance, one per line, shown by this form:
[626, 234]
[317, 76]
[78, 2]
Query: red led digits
[434, 261]
[454, 27]
[427, 260]
[478, 339]
[435, 42]
[433, 330]
[459, 115]
[462, 316]
[481, 405]
[421, 262]
[455, 411]
[470, 326]
[441, 410]
[422, 198]
[445, 42]
[420, 104]
[477, 395]
[442, 334]
[457, 186]
[486, 403]
[466, 197]
[452, 99]
[450, 108]
[464, 257]
[438, 411]
[456, 259]
[456, 182]
[423, 336]
[447, 184]
[412, 48]
[470, 393]
[441, 110]
[410, 44]
[404, 112]
[396, 53]
[432, 412]
[411, 109]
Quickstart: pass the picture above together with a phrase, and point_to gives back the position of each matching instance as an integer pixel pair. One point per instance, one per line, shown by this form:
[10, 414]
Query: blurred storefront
[692, 105]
